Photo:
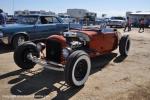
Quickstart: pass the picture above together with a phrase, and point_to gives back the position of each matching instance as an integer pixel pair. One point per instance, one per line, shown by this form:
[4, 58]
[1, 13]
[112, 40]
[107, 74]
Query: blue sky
[109, 7]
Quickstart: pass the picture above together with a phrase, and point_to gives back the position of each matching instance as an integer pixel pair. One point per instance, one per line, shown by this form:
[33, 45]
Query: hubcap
[80, 70]
[21, 39]
[25, 55]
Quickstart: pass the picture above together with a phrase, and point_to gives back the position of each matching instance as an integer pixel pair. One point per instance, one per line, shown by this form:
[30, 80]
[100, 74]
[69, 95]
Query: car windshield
[27, 19]
[118, 18]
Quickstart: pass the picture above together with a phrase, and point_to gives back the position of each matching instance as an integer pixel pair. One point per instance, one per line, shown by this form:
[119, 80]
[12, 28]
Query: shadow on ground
[4, 48]
[42, 82]
[119, 59]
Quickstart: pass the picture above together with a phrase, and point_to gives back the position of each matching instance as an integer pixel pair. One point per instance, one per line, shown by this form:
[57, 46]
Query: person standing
[141, 25]
[3, 17]
[128, 25]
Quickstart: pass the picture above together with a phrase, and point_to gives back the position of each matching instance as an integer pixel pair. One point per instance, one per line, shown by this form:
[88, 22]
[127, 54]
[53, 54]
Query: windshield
[118, 18]
[27, 19]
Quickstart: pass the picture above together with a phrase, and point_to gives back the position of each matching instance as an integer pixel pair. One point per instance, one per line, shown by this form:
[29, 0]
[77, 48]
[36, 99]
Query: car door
[96, 43]
[45, 27]
[109, 39]
[60, 26]
[31, 31]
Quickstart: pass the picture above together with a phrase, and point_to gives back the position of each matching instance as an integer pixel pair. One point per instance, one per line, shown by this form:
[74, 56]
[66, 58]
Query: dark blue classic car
[32, 27]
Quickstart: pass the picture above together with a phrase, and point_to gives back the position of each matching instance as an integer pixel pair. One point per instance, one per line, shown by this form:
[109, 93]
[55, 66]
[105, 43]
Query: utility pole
[13, 5]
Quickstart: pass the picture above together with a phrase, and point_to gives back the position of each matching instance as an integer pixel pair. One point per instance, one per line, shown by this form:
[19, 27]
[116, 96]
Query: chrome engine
[76, 39]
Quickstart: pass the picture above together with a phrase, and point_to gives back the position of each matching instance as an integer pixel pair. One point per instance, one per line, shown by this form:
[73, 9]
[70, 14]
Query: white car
[117, 22]
[67, 18]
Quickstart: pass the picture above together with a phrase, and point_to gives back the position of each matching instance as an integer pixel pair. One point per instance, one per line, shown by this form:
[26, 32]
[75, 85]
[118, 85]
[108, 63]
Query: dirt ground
[112, 77]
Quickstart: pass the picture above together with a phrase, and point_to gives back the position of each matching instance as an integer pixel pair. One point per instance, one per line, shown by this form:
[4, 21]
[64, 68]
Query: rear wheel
[77, 68]
[124, 45]
[21, 55]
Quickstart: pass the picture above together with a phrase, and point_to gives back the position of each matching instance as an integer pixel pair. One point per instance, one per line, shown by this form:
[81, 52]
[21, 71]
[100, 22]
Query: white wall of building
[135, 17]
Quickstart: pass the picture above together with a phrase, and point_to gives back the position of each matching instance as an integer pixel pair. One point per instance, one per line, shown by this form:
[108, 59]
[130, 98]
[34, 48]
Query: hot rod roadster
[71, 52]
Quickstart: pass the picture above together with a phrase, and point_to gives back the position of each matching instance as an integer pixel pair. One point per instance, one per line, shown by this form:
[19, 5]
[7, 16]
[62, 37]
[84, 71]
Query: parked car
[67, 18]
[71, 52]
[117, 22]
[32, 27]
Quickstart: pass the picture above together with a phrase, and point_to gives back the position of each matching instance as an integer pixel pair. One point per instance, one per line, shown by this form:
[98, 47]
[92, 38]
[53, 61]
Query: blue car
[32, 27]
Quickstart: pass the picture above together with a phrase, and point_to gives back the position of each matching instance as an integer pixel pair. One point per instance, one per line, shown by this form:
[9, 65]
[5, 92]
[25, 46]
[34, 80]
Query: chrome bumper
[116, 24]
[5, 40]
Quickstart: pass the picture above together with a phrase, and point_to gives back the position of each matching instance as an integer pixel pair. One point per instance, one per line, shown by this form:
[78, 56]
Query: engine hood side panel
[59, 39]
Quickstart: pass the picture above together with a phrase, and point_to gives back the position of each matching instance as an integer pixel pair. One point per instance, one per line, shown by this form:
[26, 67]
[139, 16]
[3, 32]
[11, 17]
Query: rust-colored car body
[101, 42]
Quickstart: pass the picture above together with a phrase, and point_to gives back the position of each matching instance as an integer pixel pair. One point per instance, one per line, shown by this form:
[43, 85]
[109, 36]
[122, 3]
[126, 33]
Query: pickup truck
[117, 21]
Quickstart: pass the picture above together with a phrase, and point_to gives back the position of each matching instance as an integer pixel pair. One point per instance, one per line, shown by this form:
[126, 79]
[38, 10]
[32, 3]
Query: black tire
[17, 40]
[75, 74]
[21, 52]
[124, 45]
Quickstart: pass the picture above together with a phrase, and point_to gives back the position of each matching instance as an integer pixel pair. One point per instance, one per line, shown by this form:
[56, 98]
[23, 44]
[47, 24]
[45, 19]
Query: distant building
[77, 13]
[135, 16]
[91, 16]
[128, 13]
[27, 12]
[82, 15]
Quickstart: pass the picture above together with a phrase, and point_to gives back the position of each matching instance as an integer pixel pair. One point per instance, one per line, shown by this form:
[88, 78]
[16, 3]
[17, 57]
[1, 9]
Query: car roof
[37, 15]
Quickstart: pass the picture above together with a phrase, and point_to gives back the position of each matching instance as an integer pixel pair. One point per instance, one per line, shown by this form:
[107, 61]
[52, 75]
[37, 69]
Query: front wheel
[77, 68]
[21, 55]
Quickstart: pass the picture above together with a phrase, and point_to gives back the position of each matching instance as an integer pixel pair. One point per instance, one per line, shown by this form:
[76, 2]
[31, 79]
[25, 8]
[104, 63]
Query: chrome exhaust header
[46, 64]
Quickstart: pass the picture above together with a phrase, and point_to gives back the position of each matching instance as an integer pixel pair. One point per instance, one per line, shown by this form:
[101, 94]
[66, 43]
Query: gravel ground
[112, 77]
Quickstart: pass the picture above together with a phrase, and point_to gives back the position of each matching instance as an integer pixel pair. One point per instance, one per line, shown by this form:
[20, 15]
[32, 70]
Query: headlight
[66, 52]
[1, 34]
